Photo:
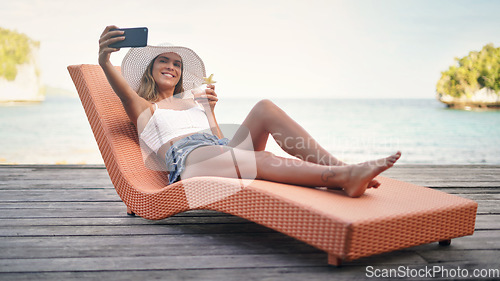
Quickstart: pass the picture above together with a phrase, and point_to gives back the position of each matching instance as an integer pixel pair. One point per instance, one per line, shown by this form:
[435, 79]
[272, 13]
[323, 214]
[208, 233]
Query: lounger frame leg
[130, 212]
[334, 260]
[445, 242]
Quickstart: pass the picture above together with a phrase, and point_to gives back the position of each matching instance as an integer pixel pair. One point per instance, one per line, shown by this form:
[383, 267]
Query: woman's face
[167, 70]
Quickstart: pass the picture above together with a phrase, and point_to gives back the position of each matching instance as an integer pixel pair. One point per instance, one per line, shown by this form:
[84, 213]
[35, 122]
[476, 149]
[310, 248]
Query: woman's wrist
[106, 66]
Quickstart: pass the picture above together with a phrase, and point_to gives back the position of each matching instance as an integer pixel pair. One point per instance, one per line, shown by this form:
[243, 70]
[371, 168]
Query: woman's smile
[168, 74]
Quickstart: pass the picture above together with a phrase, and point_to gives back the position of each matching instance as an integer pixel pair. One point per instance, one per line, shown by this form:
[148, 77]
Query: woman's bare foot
[362, 175]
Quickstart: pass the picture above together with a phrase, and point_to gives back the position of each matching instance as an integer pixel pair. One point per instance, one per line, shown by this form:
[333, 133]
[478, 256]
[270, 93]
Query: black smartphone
[134, 37]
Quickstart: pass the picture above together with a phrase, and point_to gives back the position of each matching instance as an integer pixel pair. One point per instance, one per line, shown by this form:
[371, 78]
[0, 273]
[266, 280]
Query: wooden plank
[480, 240]
[469, 255]
[53, 177]
[248, 240]
[447, 175]
[197, 262]
[124, 220]
[488, 222]
[50, 230]
[73, 210]
[175, 247]
[160, 262]
[193, 244]
[59, 195]
[240, 234]
[463, 190]
[299, 273]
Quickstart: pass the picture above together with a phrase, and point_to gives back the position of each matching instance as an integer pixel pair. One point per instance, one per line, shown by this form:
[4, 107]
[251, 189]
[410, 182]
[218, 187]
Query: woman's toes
[374, 184]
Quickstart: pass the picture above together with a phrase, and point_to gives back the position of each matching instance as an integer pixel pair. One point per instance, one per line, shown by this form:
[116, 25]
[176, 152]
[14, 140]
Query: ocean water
[57, 132]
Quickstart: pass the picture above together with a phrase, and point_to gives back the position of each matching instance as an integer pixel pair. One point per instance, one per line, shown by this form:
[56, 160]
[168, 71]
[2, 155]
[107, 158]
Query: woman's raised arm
[134, 104]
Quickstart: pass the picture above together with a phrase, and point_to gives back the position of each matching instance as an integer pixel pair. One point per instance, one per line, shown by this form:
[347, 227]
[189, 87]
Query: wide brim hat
[136, 61]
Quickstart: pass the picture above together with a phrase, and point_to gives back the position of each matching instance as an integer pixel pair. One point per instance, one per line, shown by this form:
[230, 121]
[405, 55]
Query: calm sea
[57, 132]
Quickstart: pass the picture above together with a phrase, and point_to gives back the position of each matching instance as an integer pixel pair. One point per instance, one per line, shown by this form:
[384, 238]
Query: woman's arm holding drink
[208, 101]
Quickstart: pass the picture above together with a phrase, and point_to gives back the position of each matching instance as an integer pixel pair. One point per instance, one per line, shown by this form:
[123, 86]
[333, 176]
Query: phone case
[134, 37]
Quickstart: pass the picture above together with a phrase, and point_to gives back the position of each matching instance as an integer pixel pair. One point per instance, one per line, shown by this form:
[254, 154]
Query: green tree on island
[476, 71]
[15, 49]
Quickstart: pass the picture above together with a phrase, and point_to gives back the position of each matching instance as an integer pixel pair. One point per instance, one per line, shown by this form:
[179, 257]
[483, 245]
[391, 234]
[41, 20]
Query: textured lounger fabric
[394, 216]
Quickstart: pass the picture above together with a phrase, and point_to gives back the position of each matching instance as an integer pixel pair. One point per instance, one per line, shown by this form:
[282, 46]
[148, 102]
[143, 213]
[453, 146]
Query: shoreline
[473, 106]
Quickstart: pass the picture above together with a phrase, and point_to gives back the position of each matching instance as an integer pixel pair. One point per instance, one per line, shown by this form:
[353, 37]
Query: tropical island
[19, 71]
[474, 82]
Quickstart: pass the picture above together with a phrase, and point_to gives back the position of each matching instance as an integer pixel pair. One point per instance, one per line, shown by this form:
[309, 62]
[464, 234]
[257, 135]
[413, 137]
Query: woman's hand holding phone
[109, 36]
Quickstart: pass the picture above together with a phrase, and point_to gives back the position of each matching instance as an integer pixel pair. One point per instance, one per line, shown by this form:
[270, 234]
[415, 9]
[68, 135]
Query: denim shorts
[178, 152]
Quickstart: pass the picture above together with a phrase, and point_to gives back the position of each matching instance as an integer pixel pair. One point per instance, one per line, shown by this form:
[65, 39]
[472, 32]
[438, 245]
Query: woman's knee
[265, 108]
[265, 103]
[264, 160]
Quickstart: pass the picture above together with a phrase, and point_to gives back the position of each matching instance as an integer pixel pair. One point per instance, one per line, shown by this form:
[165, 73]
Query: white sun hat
[137, 60]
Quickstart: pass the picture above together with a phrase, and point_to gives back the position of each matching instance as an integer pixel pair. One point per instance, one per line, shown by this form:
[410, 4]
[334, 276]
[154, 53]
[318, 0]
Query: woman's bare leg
[220, 161]
[267, 118]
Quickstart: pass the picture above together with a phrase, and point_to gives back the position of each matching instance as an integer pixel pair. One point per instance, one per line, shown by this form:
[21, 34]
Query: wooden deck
[67, 222]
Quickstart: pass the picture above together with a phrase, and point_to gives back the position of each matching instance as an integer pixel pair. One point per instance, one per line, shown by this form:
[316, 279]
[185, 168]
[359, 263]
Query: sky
[274, 49]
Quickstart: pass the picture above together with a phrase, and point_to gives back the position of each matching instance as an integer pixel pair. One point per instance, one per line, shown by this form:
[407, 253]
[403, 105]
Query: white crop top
[166, 124]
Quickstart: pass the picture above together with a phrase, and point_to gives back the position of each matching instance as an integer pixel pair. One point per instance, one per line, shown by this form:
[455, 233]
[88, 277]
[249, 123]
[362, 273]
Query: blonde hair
[147, 88]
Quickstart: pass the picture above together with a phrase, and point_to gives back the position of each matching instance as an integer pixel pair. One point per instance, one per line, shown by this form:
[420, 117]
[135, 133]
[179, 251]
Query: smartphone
[134, 37]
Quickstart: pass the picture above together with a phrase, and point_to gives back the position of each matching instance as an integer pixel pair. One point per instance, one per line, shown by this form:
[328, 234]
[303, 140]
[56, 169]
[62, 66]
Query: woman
[151, 90]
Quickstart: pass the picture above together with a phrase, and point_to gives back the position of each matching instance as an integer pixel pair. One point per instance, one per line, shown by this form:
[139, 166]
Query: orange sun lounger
[394, 216]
